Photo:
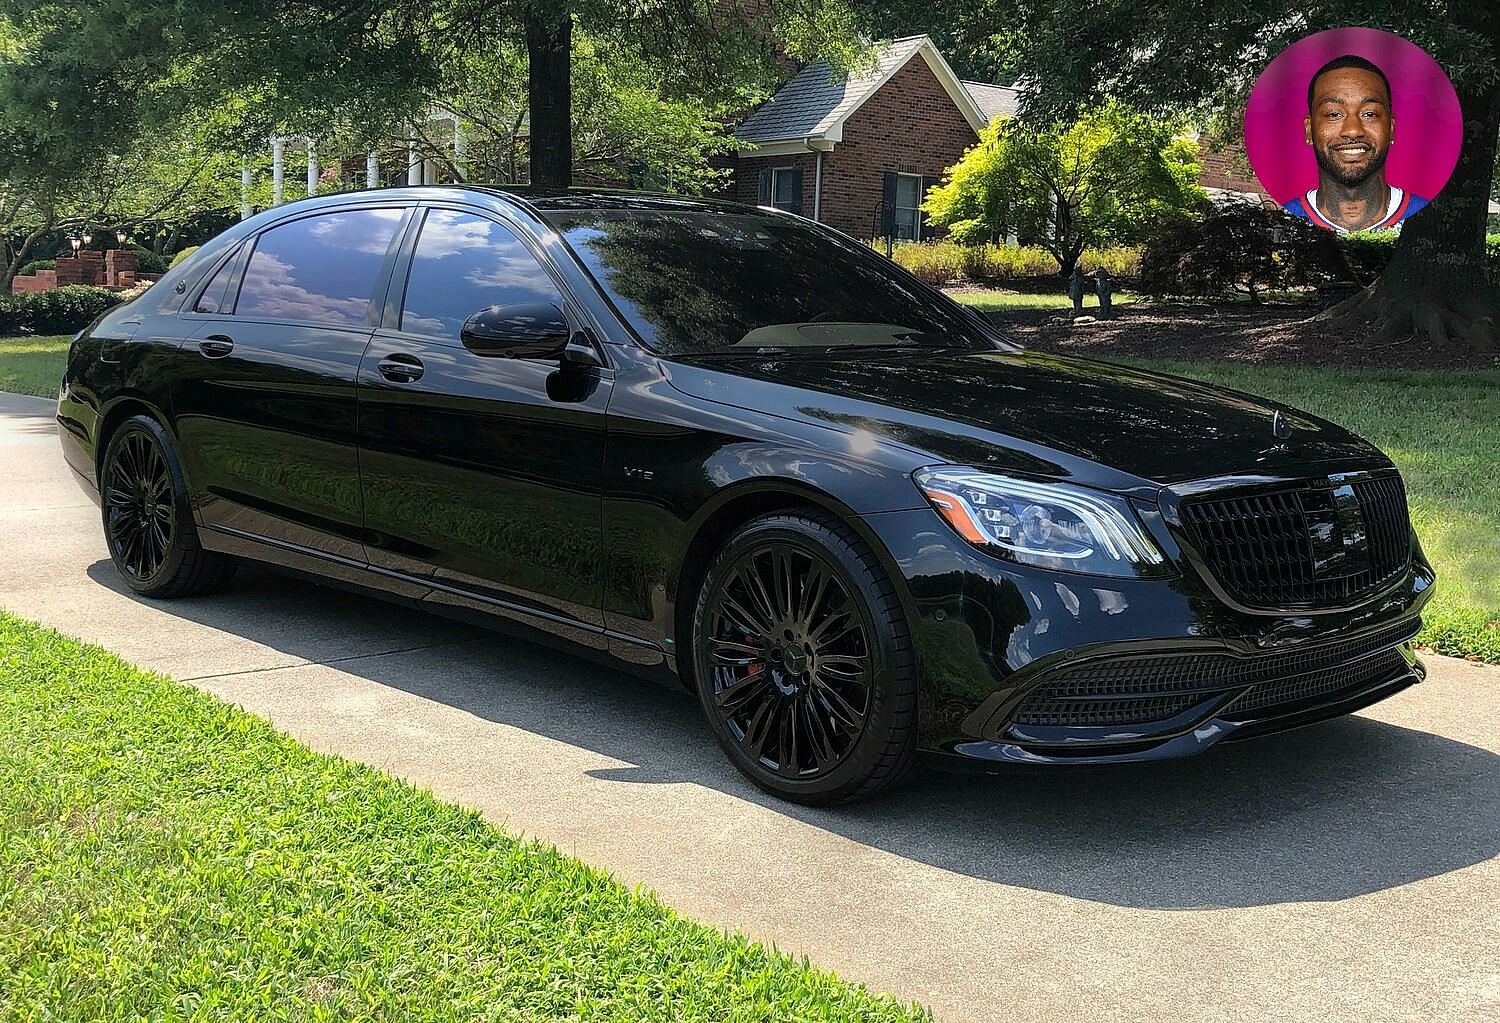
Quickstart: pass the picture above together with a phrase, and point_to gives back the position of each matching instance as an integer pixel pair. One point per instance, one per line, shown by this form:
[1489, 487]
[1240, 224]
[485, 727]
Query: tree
[1110, 178]
[1167, 57]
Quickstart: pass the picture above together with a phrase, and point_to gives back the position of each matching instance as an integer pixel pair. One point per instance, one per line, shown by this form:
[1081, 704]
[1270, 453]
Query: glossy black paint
[581, 497]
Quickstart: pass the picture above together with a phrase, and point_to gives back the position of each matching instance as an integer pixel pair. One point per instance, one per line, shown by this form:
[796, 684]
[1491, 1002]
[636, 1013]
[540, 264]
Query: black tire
[748, 682]
[148, 521]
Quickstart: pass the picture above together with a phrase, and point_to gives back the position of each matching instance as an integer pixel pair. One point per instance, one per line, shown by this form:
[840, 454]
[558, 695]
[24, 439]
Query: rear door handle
[400, 368]
[216, 346]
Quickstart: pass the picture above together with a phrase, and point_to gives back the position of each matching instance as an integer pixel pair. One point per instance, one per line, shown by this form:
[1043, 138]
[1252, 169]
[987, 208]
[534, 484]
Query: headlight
[1051, 525]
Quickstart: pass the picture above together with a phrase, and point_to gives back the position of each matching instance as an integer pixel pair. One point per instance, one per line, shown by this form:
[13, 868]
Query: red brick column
[118, 263]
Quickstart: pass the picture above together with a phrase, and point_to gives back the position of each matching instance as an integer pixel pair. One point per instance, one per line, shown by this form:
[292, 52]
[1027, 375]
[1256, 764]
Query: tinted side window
[215, 297]
[319, 268]
[464, 263]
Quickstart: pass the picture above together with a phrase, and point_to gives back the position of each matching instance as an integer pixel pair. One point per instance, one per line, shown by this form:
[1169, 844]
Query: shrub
[1243, 249]
[184, 254]
[66, 310]
[149, 262]
[1119, 260]
[32, 267]
[12, 314]
[934, 262]
[1368, 252]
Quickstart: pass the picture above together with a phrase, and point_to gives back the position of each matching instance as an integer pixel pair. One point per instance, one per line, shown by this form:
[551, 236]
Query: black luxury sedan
[735, 449]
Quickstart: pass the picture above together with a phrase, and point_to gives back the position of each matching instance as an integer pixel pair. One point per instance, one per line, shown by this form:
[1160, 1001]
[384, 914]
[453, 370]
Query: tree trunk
[8, 271]
[549, 45]
[1436, 287]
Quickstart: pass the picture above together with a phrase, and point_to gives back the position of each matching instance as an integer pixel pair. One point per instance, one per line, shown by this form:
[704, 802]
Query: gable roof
[995, 100]
[817, 101]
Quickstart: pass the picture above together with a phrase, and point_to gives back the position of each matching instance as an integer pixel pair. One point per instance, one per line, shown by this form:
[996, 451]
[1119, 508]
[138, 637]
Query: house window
[909, 214]
[786, 189]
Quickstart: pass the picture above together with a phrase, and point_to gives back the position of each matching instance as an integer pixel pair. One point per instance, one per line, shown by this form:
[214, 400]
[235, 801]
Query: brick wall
[1226, 168]
[911, 125]
[117, 268]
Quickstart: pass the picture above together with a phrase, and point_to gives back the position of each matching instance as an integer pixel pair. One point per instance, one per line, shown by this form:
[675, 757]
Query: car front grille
[1321, 546]
[1140, 690]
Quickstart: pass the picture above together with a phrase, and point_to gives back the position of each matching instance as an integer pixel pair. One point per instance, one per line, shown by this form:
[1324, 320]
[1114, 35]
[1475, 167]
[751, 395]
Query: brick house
[859, 153]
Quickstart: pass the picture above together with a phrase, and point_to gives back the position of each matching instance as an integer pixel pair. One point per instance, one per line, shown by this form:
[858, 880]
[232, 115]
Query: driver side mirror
[529, 331]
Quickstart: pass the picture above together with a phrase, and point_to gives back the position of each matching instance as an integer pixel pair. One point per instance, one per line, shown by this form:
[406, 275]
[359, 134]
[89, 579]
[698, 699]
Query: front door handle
[400, 368]
[216, 346]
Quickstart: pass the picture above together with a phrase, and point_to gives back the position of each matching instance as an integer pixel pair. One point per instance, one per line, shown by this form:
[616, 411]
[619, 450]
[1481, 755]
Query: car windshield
[700, 283]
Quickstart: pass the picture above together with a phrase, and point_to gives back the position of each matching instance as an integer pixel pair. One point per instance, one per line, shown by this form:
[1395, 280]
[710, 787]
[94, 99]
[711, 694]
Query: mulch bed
[1268, 334]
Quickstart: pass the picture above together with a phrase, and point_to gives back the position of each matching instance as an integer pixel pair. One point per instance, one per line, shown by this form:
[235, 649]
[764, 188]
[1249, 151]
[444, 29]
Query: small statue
[1075, 289]
[1103, 287]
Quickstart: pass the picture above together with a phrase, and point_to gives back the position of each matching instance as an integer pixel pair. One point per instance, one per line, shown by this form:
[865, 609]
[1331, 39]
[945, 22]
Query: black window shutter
[764, 195]
[888, 207]
[795, 206]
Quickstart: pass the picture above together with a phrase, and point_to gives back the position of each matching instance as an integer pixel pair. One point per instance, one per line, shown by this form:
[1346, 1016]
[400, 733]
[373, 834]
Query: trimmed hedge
[60, 311]
[947, 261]
[1370, 251]
[27, 269]
[184, 254]
[148, 262]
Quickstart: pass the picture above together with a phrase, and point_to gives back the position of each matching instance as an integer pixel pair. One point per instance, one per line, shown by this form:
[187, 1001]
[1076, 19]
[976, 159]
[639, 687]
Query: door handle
[216, 346]
[400, 368]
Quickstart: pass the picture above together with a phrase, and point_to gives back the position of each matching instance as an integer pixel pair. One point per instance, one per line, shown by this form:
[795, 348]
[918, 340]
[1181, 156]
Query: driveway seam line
[333, 660]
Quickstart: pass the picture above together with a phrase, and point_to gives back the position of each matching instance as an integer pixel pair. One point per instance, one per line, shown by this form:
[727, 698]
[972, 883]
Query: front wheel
[148, 523]
[803, 660]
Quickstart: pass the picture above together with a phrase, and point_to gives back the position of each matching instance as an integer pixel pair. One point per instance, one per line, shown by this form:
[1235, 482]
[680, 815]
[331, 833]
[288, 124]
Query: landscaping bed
[165, 855]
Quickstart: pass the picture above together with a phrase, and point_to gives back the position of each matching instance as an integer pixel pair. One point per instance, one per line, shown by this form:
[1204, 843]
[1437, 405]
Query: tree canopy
[1111, 177]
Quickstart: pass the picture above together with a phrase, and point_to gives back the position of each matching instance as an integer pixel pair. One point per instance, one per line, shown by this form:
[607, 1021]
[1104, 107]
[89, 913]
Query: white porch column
[429, 172]
[460, 151]
[372, 170]
[278, 171]
[245, 191]
[312, 168]
[413, 162]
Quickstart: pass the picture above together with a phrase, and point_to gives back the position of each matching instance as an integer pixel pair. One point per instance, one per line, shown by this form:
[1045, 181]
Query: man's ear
[1307, 129]
[1390, 139]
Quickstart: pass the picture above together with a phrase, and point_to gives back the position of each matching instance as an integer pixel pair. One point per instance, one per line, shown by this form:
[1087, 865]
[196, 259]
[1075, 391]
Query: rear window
[695, 283]
[320, 268]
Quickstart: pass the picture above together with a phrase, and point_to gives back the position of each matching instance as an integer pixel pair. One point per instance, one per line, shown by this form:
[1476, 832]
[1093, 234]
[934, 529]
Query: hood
[1032, 413]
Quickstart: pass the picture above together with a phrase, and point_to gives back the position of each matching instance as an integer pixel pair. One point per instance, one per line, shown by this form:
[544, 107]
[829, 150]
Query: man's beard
[1346, 175]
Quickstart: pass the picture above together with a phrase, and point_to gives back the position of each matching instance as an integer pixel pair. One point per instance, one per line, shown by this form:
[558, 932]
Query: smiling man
[1350, 128]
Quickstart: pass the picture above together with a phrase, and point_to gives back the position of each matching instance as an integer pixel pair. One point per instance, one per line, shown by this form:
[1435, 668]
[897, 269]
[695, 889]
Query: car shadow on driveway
[1333, 811]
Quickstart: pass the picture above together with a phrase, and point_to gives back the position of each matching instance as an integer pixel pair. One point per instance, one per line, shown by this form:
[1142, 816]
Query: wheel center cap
[794, 658]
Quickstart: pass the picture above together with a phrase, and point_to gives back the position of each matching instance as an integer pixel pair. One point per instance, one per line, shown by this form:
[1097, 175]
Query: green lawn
[165, 856]
[32, 365]
[1004, 301]
[1441, 428]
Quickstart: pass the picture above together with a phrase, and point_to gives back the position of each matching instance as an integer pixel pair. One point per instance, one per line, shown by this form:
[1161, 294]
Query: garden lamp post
[120, 236]
[77, 244]
[88, 237]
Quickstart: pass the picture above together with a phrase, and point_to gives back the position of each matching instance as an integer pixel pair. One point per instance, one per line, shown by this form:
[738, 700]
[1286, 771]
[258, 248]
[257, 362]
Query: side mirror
[530, 331]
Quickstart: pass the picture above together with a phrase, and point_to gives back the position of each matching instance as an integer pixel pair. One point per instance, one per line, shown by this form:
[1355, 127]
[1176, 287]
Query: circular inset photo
[1353, 128]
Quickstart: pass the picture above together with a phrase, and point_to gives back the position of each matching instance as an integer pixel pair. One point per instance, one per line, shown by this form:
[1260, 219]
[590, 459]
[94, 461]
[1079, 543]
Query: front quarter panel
[674, 462]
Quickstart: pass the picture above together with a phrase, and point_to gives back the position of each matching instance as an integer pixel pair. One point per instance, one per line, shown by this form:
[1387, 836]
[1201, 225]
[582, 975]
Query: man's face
[1350, 124]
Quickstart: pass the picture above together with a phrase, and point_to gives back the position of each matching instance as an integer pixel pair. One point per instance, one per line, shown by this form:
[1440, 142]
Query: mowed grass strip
[33, 365]
[164, 855]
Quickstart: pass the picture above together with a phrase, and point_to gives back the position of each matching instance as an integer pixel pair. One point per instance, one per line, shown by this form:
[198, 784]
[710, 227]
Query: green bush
[1368, 252]
[27, 269]
[63, 310]
[148, 262]
[12, 314]
[947, 261]
[184, 254]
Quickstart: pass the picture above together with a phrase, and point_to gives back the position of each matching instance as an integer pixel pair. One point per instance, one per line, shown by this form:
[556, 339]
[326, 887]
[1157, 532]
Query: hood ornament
[1281, 427]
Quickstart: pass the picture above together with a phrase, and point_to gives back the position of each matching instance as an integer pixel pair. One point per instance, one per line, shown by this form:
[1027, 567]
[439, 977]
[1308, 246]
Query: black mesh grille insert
[1138, 690]
[1286, 549]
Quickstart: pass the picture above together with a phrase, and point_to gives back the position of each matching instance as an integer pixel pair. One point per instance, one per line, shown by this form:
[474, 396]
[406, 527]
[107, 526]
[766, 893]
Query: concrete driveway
[1344, 872]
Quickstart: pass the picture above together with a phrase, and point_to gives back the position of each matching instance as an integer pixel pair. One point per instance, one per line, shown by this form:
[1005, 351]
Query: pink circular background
[1429, 123]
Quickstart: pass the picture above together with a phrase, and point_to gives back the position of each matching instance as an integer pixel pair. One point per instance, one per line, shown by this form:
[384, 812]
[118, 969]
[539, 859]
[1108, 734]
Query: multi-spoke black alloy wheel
[803, 660]
[147, 524]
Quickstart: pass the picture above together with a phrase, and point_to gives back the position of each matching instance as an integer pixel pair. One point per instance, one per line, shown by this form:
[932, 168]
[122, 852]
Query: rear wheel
[803, 660]
[148, 523]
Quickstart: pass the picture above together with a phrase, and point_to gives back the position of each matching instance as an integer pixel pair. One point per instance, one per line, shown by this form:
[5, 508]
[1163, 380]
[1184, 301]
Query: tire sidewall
[893, 682]
[182, 510]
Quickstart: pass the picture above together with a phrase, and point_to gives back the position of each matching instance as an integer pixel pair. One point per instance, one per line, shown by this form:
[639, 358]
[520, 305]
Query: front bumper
[992, 637]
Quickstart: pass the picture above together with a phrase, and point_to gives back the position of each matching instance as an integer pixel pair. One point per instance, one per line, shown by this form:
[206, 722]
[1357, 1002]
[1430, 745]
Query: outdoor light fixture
[88, 237]
[76, 242]
[120, 236]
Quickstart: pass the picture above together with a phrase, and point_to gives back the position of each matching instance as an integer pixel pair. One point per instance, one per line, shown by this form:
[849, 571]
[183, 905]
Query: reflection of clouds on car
[271, 289]
[351, 232]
